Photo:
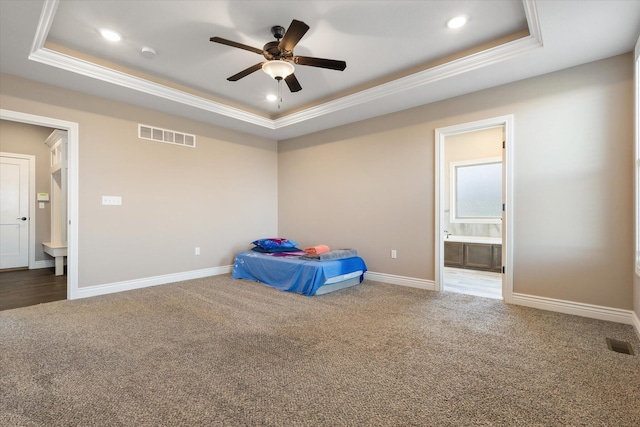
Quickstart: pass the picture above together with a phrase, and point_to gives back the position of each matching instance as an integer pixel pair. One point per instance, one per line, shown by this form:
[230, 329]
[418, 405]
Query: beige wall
[370, 185]
[219, 196]
[20, 138]
[367, 185]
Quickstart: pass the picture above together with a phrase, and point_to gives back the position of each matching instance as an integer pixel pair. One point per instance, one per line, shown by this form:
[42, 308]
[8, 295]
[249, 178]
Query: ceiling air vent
[166, 136]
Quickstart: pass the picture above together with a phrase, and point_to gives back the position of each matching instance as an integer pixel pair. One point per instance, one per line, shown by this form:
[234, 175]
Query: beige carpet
[218, 351]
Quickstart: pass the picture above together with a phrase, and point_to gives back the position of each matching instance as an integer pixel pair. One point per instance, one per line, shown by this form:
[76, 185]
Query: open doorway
[72, 189]
[473, 230]
[27, 276]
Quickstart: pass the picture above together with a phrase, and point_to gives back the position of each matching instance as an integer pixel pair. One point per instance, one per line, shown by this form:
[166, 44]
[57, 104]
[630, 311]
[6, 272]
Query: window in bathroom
[476, 191]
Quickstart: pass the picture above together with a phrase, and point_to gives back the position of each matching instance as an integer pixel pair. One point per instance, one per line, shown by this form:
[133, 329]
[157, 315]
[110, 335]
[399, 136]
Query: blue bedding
[292, 274]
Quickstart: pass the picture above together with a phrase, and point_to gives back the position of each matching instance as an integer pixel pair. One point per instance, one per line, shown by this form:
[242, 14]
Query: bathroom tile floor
[479, 283]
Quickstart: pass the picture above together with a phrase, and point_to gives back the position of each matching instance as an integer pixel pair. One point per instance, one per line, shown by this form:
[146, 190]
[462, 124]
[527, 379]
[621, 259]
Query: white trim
[533, 21]
[128, 285]
[627, 317]
[400, 280]
[49, 9]
[32, 211]
[72, 129]
[636, 182]
[469, 63]
[636, 156]
[32, 203]
[576, 308]
[478, 60]
[507, 245]
[636, 323]
[98, 72]
[47, 263]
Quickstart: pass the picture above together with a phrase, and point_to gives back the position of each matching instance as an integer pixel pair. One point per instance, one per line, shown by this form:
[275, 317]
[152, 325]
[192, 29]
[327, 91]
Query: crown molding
[98, 72]
[450, 69]
[462, 65]
[44, 24]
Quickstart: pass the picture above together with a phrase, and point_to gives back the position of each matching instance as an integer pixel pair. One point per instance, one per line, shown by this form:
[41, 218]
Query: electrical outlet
[394, 254]
[197, 251]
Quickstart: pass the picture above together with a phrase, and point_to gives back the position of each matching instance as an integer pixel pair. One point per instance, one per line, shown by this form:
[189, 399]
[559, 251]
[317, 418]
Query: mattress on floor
[292, 274]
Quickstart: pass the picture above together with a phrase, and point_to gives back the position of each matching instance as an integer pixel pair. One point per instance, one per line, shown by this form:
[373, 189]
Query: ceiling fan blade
[235, 44]
[246, 72]
[294, 33]
[292, 82]
[331, 64]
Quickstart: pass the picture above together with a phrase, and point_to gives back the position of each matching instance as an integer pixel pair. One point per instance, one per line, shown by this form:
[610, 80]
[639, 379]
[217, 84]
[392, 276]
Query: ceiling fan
[279, 55]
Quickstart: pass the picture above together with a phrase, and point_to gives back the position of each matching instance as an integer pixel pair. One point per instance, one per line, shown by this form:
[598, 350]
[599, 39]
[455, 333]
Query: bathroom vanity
[473, 253]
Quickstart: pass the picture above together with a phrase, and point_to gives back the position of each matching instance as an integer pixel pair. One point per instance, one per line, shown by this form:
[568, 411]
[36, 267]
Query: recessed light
[110, 35]
[457, 22]
[272, 98]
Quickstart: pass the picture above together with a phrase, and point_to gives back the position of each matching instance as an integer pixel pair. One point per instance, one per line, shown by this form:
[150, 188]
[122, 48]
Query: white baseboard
[568, 307]
[400, 280]
[617, 315]
[128, 285]
[636, 323]
[43, 264]
[577, 308]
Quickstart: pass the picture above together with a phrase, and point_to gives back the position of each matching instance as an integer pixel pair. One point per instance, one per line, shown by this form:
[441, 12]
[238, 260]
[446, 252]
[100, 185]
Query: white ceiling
[399, 54]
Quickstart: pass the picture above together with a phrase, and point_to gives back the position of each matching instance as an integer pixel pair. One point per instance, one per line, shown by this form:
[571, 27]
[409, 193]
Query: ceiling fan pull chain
[279, 92]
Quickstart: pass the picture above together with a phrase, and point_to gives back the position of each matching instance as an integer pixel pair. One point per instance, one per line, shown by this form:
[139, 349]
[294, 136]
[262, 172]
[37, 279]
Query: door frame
[32, 203]
[72, 129]
[507, 225]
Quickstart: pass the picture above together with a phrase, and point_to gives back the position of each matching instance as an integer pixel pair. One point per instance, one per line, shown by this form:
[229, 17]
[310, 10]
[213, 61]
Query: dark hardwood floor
[22, 288]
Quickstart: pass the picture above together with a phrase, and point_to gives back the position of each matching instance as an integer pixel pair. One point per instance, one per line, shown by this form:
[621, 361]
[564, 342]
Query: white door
[14, 212]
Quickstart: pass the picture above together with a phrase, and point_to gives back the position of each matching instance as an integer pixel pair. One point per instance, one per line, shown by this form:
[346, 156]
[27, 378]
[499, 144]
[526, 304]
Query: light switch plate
[112, 200]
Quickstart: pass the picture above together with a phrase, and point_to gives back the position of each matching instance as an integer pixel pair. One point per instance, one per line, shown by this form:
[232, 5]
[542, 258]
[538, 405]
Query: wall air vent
[166, 136]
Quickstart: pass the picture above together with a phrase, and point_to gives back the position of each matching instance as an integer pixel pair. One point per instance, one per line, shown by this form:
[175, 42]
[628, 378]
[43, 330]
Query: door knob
[24, 218]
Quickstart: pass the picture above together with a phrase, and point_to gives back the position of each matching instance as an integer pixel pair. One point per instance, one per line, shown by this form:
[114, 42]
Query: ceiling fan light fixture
[278, 69]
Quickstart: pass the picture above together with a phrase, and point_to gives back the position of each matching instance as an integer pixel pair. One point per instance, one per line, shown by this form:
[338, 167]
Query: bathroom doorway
[473, 181]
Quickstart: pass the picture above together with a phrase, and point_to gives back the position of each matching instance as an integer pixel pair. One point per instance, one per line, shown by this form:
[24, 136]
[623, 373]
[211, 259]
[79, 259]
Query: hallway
[22, 288]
